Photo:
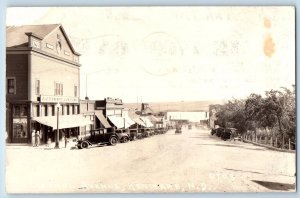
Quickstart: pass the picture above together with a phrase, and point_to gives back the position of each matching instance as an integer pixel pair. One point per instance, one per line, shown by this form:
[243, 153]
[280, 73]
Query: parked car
[190, 126]
[133, 134]
[213, 131]
[123, 136]
[226, 134]
[178, 130]
[96, 137]
[219, 131]
[145, 133]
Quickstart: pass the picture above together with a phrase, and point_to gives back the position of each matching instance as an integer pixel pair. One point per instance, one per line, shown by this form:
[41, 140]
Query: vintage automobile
[213, 131]
[123, 136]
[151, 132]
[178, 130]
[219, 131]
[133, 134]
[228, 133]
[96, 137]
[145, 133]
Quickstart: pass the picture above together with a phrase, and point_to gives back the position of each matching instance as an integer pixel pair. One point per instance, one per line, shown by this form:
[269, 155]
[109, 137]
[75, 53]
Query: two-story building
[42, 83]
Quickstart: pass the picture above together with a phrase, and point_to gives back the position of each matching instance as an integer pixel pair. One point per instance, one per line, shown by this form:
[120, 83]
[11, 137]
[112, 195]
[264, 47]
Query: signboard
[60, 99]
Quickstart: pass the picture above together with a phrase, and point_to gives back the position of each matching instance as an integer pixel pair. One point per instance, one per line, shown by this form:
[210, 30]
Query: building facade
[42, 82]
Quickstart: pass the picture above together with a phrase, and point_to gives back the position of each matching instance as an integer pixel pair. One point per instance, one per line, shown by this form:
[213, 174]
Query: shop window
[37, 87]
[68, 110]
[20, 128]
[82, 131]
[11, 85]
[73, 109]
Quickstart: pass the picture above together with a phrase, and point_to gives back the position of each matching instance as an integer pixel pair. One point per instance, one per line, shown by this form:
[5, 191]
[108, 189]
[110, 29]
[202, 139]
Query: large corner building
[42, 78]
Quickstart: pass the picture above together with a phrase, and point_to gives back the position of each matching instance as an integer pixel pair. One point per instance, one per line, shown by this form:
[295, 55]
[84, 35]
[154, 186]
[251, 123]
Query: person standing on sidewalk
[65, 138]
[36, 138]
[33, 137]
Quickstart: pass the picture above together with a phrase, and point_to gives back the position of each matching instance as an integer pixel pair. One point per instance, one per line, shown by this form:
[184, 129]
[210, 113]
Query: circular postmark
[161, 53]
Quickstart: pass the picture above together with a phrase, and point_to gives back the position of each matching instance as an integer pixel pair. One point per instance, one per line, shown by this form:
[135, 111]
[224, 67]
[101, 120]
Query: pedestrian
[36, 138]
[33, 138]
[65, 138]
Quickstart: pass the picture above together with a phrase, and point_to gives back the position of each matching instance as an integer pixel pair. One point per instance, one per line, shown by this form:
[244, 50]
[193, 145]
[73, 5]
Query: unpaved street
[193, 161]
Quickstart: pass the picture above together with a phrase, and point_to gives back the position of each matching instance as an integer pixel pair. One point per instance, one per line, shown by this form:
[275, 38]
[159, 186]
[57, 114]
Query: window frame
[15, 85]
[37, 88]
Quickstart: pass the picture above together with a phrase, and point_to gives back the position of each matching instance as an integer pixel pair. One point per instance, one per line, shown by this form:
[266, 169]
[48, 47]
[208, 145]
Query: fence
[270, 141]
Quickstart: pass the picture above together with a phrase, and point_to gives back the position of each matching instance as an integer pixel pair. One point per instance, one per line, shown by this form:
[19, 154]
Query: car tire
[125, 139]
[113, 141]
[79, 147]
[84, 145]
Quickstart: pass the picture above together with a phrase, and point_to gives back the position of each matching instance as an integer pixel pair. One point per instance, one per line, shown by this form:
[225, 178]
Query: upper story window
[11, 85]
[58, 89]
[37, 87]
[20, 110]
[75, 91]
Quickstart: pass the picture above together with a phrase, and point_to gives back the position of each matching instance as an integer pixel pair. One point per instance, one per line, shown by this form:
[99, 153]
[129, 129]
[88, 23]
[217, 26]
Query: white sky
[176, 53]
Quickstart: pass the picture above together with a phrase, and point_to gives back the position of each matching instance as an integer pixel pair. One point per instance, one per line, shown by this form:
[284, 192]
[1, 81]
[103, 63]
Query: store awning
[153, 119]
[128, 120]
[67, 121]
[147, 122]
[119, 122]
[136, 118]
[102, 119]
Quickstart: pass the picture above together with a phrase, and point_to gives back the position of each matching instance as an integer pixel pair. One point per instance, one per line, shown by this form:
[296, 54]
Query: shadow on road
[232, 145]
[242, 171]
[275, 185]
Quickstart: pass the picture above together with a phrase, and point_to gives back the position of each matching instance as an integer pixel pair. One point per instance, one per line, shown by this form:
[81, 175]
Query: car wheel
[113, 141]
[84, 145]
[125, 140]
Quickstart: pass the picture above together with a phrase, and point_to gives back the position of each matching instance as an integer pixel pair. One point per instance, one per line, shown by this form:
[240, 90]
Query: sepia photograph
[150, 99]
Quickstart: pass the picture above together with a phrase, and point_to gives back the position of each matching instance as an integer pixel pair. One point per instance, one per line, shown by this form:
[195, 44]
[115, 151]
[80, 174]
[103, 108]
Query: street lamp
[57, 128]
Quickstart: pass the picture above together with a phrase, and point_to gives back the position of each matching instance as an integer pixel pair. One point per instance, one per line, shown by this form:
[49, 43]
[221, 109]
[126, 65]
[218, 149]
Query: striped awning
[147, 122]
[102, 119]
[64, 121]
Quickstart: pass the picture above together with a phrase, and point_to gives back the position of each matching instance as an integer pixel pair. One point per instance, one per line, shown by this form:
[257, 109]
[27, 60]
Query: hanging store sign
[60, 99]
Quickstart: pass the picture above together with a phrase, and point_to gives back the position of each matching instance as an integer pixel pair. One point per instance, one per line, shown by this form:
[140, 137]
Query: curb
[269, 147]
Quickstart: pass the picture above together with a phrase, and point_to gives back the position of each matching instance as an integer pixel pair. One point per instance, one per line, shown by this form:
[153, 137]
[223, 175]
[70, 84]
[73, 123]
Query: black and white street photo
[173, 99]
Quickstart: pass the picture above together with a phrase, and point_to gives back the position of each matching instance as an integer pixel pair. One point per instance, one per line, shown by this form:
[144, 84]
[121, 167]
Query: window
[11, 85]
[75, 91]
[58, 89]
[37, 87]
[68, 110]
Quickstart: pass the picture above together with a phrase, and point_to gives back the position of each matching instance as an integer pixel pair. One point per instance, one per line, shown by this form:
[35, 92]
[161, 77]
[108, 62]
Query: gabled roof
[16, 35]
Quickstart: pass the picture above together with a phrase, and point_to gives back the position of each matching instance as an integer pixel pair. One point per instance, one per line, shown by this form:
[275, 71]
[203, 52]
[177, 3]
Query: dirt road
[193, 161]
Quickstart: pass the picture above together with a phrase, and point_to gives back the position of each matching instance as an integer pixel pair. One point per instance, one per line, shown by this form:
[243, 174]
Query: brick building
[42, 81]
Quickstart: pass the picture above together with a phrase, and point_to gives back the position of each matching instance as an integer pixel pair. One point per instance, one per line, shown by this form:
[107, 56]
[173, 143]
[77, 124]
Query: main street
[193, 161]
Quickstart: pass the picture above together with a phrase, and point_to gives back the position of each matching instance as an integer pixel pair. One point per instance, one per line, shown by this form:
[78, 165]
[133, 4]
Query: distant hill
[177, 106]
